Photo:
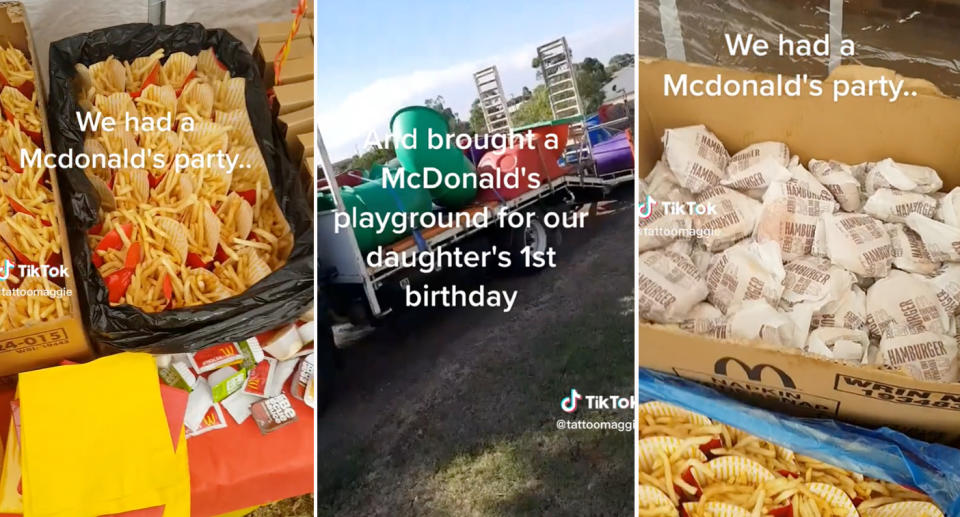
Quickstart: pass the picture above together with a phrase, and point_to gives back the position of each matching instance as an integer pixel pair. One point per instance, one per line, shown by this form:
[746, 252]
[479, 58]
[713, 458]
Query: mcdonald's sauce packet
[213, 419]
[305, 371]
[225, 381]
[273, 413]
[178, 375]
[216, 356]
[251, 351]
[260, 375]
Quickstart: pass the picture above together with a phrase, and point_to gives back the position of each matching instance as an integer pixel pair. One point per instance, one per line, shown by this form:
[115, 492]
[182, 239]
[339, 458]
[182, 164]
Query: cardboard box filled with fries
[693, 466]
[871, 364]
[174, 234]
[40, 318]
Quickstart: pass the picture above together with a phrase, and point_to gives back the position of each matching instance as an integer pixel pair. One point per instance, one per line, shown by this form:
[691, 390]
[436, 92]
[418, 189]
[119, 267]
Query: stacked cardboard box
[293, 89]
[48, 342]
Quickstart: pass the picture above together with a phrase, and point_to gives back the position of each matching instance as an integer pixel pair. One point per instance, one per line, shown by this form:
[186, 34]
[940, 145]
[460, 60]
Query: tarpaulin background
[916, 39]
[277, 299]
[52, 20]
[882, 453]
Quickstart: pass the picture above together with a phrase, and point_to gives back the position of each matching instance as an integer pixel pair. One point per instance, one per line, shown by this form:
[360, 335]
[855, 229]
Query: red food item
[95, 229]
[711, 445]
[151, 79]
[117, 284]
[194, 260]
[133, 256]
[191, 75]
[220, 255]
[13, 163]
[155, 180]
[783, 511]
[167, 287]
[111, 241]
[250, 196]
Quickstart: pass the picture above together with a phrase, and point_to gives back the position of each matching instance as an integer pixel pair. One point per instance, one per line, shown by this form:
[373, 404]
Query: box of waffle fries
[701, 454]
[185, 218]
[40, 322]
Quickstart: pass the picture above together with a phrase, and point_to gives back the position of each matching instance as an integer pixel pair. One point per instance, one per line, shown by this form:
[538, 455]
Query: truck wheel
[536, 237]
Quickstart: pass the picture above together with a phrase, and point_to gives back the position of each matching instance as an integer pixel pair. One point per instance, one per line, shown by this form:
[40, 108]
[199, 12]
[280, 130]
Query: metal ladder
[559, 77]
[492, 101]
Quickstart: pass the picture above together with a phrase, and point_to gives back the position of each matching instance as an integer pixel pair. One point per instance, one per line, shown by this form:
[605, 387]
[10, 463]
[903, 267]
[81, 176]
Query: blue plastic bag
[883, 453]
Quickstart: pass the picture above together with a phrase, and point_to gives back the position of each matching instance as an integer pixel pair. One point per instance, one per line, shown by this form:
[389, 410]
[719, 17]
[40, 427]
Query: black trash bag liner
[276, 300]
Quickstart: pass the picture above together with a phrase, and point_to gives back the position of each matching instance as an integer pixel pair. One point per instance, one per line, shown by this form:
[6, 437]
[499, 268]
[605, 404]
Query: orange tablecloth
[237, 467]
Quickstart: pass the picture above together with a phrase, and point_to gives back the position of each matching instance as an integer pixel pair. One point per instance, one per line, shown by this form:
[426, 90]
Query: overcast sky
[381, 56]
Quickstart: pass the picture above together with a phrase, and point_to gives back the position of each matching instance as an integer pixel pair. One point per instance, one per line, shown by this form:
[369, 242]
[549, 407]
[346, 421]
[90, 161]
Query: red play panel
[237, 467]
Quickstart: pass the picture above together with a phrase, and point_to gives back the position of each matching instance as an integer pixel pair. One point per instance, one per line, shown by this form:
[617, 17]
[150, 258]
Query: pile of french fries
[171, 236]
[692, 466]
[29, 221]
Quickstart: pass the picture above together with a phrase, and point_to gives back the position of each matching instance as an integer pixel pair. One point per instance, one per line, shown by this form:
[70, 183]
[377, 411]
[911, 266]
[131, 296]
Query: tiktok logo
[5, 269]
[646, 208]
[569, 404]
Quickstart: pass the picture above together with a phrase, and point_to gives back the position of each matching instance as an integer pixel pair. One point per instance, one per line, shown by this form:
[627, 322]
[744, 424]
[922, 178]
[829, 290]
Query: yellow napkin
[95, 441]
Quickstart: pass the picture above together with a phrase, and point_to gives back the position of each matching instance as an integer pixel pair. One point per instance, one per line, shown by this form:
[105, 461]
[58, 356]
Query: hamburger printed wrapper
[653, 499]
[648, 451]
[836, 498]
[714, 509]
[904, 509]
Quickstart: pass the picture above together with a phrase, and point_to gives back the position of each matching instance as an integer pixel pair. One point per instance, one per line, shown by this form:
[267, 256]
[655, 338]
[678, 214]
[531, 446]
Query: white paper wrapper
[238, 405]
[949, 209]
[946, 282]
[280, 376]
[904, 509]
[696, 156]
[901, 176]
[705, 319]
[905, 301]
[839, 343]
[849, 311]
[734, 217]
[814, 280]
[839, 179]
[744, 272]
[909, 252]
[942, 240]
[754, 168]
[893, 206]
[789, 216]
[758, 320]
[856, 242]
[198, 402]
[928, 356]
[669, 286]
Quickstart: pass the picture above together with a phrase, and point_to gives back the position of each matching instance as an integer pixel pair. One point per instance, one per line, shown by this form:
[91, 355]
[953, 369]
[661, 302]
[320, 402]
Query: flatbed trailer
[354, 287]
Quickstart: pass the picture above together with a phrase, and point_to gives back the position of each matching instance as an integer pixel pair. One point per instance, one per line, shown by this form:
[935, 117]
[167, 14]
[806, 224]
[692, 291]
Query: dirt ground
[453, 412]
